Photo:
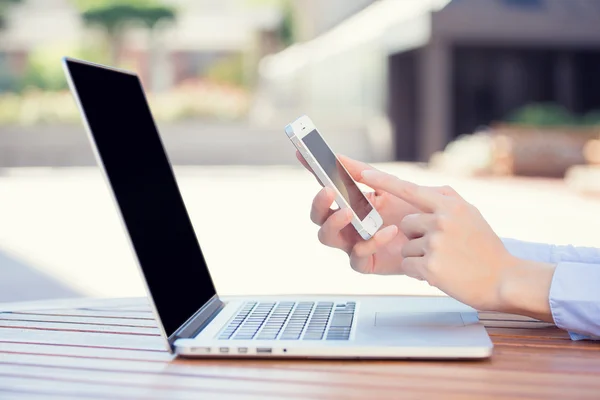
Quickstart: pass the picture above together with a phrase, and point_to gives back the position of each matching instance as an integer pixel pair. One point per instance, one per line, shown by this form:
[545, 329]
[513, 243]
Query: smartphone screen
[338, 174]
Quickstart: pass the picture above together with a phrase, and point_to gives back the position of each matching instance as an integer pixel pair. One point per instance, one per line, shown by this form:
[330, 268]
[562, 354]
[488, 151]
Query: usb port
[224, 349]
[242, 350]
[264, 350]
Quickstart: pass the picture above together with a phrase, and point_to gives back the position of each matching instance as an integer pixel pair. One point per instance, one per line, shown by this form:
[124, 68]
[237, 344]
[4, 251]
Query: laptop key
[266, 337]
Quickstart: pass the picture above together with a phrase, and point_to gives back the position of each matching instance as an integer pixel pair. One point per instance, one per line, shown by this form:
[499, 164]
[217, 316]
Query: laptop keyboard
[288, 320]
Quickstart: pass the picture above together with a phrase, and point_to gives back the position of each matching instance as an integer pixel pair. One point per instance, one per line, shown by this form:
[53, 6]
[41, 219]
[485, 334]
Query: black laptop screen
[145, 188]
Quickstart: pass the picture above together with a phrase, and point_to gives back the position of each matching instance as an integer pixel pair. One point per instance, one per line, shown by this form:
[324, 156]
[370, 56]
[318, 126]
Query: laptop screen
[144, 186]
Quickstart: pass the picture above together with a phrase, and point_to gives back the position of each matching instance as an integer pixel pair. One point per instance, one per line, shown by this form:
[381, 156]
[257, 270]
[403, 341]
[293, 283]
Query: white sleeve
[530, 251]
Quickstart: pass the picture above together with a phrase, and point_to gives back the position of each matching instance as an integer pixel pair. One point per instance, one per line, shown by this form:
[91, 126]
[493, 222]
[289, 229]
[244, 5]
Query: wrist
[524, 289]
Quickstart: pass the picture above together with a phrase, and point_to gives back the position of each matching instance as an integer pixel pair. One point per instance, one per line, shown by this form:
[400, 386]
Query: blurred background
[499, 98]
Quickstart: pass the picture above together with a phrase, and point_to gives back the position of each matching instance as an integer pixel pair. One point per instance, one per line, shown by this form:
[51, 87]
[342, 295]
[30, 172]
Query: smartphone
[330, 171]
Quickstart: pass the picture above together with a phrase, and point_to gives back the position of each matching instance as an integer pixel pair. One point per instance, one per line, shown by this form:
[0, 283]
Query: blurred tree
[151, 17]
[4, 4]
[287, 27]
[114, 16]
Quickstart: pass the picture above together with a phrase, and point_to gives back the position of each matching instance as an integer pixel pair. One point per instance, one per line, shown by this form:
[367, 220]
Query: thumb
[361, 258]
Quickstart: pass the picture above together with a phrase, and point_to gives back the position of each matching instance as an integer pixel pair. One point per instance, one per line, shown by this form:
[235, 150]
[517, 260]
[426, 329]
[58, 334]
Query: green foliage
[198, 100]
[287, 27]
[592, 118]
[44, 71]
[228, 70]
[86, 5]
[115, 17]
[4, 4]
[552, 115]
[153, 15]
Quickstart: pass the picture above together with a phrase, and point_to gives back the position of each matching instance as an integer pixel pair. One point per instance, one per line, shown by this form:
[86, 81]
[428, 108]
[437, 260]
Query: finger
[354, 168]
[361, 259]
[300, 158]
[425, 199]
[446, 191]
[321, 206]
[416, 225]
[414, 248]
[413, 267]
[329, 234]
[304, 163]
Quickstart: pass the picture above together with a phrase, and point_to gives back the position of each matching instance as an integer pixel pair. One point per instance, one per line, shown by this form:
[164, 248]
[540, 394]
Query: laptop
[193, 319]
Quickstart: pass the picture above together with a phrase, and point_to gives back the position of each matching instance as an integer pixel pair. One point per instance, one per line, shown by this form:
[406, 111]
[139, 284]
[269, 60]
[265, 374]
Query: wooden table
[107, 349]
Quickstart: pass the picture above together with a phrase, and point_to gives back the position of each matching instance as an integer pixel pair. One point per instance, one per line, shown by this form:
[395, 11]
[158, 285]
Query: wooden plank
[116, 341]
[90, 328]
[113, 314]
[68, 319]
[539, 333]
[84, 352]
[77, 302]
[187, 383]
[563, 345]
[518, 324]
[21, 395]
[495, 316]
[90, 390]
[144, 308]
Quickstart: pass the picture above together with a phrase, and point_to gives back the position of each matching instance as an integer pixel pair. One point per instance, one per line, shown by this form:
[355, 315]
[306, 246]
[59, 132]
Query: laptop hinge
[199, 320]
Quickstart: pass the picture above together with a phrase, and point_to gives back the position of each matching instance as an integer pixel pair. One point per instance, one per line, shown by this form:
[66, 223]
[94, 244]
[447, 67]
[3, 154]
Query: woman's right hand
[382, 254]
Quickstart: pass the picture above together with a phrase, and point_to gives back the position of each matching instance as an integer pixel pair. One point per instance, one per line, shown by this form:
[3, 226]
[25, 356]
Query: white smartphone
[330, 171]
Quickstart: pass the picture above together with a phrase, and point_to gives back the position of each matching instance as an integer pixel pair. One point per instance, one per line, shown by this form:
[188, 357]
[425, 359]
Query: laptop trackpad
[389, 319]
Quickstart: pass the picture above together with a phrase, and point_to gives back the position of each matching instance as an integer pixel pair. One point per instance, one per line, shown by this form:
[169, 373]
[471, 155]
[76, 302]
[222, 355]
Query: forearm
[524, 289]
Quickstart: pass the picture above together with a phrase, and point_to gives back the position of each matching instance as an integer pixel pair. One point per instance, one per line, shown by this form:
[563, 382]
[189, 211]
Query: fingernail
[391, 230]
[349, 213]
[368, 173]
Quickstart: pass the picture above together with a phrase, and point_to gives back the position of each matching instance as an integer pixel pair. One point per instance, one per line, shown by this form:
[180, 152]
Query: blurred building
[434, 69]
[204, 31]
[30, 25]
[314, 17]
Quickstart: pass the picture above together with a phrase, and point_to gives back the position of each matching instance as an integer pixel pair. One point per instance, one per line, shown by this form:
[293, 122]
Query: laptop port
[200, 349]
[224, 350]
[242, 350]
[264, 350]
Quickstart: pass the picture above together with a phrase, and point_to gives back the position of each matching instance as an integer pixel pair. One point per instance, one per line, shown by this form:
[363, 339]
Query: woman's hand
[382, 254]
[450, 245]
